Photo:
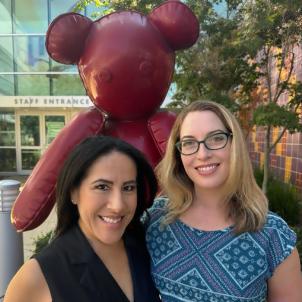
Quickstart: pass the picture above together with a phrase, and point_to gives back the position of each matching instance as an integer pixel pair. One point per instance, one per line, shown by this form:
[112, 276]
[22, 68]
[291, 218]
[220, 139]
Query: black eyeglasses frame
[227, 134]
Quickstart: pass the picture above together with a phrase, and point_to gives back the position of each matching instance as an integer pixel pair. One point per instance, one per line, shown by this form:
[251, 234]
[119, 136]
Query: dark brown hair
[75, 169]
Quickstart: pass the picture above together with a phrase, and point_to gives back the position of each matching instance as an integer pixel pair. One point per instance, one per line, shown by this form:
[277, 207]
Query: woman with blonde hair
[212, 238]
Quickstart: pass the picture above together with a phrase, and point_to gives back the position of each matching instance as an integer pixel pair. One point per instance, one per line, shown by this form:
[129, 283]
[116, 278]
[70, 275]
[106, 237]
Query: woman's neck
[210, 199]
[208, 211]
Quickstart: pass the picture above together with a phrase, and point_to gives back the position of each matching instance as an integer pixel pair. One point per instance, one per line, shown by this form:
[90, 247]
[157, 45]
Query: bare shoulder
[28, 285]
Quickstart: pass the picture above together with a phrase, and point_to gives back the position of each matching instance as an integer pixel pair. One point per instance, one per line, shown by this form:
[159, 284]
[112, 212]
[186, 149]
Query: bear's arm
[160, 125]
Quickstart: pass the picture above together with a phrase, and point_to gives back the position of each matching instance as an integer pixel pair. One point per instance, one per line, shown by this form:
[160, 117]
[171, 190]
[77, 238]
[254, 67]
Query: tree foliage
[104, 7]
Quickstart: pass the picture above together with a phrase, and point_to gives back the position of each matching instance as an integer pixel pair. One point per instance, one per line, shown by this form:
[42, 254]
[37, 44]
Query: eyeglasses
[215, 141]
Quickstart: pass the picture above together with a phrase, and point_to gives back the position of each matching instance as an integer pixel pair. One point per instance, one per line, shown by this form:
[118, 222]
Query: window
[29, 158]
[32, 84]
[53, 125]
[7, 160]
[5, 17]
[31, 53]
[7, 129]
[30, 130]
[31, 16]
[7, 142]
[6, 54]
[58, 7]
[7, 85]
[68, 85]
[55, 66]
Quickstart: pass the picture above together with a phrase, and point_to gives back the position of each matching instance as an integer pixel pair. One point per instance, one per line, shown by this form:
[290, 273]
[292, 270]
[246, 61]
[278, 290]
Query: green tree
[271, 31]
[216, 65]
[104, 7]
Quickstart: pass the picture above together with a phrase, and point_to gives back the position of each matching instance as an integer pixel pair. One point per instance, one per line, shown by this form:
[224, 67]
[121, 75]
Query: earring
[74, 202]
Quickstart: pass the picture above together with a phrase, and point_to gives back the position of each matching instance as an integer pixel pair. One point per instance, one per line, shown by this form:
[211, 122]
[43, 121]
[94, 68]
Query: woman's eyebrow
[130, 182]
[102, 180]
[216, 131]
[187, 136]
[109, 182]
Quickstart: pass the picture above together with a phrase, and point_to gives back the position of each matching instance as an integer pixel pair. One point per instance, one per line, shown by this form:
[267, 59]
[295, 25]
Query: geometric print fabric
[193, 265]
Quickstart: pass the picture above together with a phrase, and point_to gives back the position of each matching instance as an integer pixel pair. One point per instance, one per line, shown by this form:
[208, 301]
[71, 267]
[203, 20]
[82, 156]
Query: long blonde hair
[248, 205]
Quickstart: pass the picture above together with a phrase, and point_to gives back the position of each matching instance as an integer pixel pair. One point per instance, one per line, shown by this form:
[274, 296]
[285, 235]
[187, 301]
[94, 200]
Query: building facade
[38, 96]
[286, 157]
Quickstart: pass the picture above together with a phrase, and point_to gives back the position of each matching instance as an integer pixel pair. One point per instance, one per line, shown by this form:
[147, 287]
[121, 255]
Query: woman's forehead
[201, 122]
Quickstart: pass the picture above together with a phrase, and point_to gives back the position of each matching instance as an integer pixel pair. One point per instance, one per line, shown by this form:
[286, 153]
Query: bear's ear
[66, 36]
[177, 23]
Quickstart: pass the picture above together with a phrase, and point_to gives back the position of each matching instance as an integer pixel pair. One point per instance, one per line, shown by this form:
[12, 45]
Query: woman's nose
[203, 151]
[115, 201]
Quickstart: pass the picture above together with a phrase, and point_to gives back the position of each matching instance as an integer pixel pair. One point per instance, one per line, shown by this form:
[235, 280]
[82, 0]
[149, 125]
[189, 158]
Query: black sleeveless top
[75, 273]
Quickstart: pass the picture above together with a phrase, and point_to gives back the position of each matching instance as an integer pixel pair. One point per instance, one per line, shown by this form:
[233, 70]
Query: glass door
[37, 131]
[7, 142]
[53, 125]
[30, 136]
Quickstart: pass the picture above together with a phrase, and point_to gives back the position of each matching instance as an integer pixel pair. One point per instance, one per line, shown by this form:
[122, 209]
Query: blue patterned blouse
[216, 266]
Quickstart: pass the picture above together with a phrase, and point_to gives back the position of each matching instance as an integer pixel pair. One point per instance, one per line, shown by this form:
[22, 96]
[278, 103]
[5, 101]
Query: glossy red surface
[126, 62]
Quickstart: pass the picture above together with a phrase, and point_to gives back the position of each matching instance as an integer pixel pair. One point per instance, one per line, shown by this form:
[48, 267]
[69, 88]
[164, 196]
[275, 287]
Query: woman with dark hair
[98, 252]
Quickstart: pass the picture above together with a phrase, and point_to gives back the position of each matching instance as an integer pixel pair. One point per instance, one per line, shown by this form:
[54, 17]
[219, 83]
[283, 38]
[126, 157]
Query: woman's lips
[111, 219]
[207, 169]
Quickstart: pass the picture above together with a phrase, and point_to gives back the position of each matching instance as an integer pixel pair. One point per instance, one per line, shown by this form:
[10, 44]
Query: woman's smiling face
[208, 169]
[107, 198]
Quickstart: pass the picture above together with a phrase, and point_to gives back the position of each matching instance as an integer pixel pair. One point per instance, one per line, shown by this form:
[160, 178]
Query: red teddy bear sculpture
[126, 62]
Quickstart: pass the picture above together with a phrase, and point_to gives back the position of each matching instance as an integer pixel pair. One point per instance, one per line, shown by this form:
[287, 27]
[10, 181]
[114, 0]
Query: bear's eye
[146, 68]
[104, 76]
